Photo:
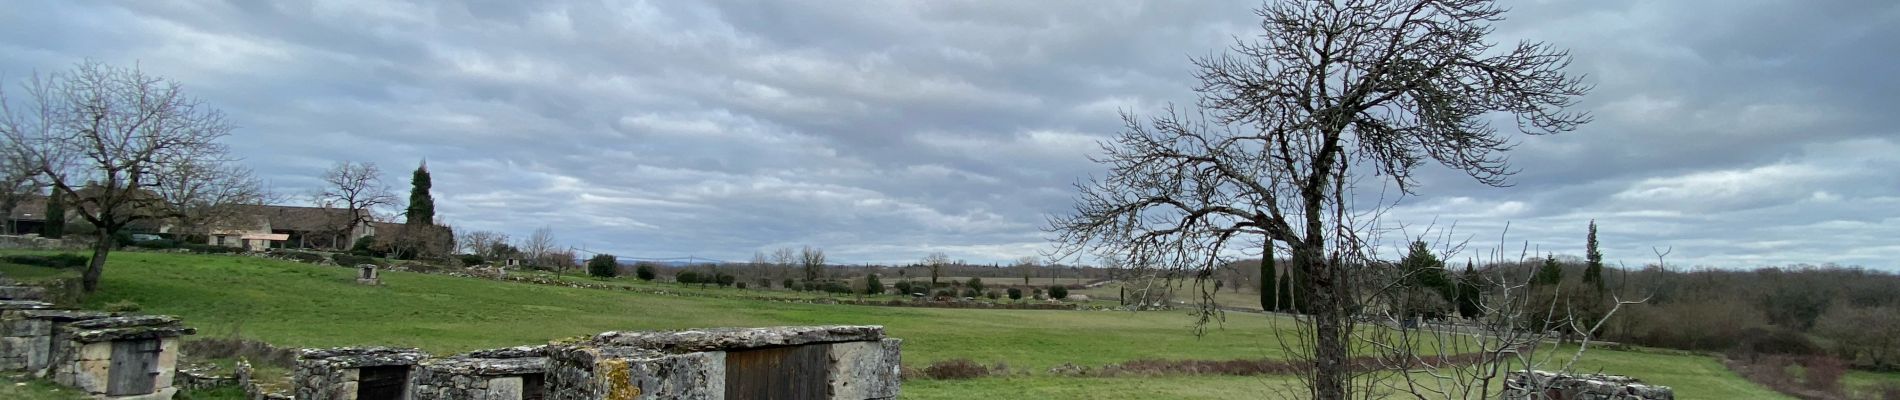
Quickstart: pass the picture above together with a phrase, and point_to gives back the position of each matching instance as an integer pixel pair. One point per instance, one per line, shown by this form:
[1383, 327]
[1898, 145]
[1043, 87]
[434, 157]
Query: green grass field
[302, 305]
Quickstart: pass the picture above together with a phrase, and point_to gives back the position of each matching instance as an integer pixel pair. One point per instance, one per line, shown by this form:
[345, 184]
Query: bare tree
[357, 188]
[813, 260]
[102, 136]
[784, 257]
[18, 180]
[935, 262]
[1331, 96]
[538, 245]
[205, 193]
[482, 243]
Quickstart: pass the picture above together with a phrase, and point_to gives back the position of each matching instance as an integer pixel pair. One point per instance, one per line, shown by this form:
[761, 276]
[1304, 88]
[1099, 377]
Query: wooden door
[134, 367]
[382, 383]
[784, 373]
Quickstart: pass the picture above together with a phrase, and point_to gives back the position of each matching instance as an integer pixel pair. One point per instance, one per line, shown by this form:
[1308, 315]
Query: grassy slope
[1245, 297]
[304, 305]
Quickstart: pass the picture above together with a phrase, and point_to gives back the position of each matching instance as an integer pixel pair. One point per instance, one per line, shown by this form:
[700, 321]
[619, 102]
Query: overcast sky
[1742, 133]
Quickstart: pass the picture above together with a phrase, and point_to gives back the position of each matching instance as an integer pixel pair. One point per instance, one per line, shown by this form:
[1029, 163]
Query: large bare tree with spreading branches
[356, 188]
[109, 139]
[1329, 96]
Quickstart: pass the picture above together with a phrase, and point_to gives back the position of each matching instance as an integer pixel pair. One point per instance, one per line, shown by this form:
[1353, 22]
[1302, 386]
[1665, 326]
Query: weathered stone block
[865, 370]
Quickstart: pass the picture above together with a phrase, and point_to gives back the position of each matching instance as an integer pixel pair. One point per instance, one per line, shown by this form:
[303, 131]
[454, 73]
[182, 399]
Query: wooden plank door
[784, 373]
[134, 367]
[382, 383]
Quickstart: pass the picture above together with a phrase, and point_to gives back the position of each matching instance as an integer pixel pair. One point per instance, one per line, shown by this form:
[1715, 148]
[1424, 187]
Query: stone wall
[1542, 385]
[861, 364]
[35, 242]
[332, 374]
[501, 374]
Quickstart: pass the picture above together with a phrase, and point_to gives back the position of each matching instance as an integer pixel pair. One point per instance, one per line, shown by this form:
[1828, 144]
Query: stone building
[821, 362]
[128, 357]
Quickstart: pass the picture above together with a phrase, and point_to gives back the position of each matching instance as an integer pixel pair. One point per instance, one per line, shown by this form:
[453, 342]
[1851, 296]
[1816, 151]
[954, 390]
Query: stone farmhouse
[262, 227]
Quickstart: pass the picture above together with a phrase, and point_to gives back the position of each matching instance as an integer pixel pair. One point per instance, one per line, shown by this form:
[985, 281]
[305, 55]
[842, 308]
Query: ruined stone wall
[331, 374]
[1542, 385]
[500, 374]
[860, 363]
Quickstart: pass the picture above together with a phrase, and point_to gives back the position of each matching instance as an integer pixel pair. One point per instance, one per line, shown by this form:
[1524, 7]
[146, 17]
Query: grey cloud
[1744, 134]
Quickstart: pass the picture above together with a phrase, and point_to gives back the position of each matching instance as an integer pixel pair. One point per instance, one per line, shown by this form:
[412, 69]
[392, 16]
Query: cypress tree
[55, 226]
[1269, 285]
[1469, 296]
[1593, 274]
[1551, 273]
[421, 204]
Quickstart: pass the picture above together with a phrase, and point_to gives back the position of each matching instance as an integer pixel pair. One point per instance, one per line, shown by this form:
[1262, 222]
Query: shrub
[971, 293]
[351, 260]
[366, 246]
[643, 271]
[789, 284]
[1823, 373]
[159, 244]
[1058, 292]
[471, 259]
[974, 284]
[872, 285]
[603, 266]
[956, 369]
[686, 277]
[1037, 294]
[837, 287]
[765, 283]
[63, 260]
[1775, 341]
[724, 279]
[945, 294]
[741, 285]
[993, 295]
[903, 287]
[1015, 293]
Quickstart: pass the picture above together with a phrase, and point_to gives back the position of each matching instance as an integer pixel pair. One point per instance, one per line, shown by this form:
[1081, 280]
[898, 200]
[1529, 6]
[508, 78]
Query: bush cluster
[956, 369]
[63, 260]
[351, 260]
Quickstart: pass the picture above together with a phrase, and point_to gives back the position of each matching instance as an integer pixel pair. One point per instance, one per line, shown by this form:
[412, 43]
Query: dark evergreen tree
[1593, 274]
[1269, 285]
[1470, 295]
[1286, 290]
[421, 204]
[1424, 270]
[603, 266]
[1551, 273]
[55, 217]
[873, 286]
[644, 271]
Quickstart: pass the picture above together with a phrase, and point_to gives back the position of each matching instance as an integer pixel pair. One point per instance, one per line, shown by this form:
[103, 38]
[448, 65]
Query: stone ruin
[126, 357]
[1544, 385]
[349, 373]
[821, 362]
[515, 373]
[366, 274]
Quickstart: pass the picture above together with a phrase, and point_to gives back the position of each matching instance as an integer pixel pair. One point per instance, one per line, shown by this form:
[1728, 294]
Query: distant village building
[260, 227]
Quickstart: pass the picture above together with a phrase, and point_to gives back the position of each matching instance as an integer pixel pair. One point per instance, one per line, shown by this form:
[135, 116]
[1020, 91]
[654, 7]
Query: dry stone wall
[1543, 385]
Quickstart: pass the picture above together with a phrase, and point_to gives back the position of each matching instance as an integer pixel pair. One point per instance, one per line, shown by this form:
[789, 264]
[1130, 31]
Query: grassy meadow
[301, 305]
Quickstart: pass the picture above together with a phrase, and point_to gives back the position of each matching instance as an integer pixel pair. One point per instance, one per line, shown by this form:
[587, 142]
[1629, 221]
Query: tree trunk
[1329, 346]
[103, 245]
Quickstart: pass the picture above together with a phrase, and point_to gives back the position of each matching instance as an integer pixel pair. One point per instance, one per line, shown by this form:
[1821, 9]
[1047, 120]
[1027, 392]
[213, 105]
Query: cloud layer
[1742, 134]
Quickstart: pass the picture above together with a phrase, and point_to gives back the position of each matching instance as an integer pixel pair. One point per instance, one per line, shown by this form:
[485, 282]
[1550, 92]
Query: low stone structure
[27, 337]
[515, 373]
[822, 362]
[1543, 385]
[355, 373]
[366, 274]
[127, 357]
